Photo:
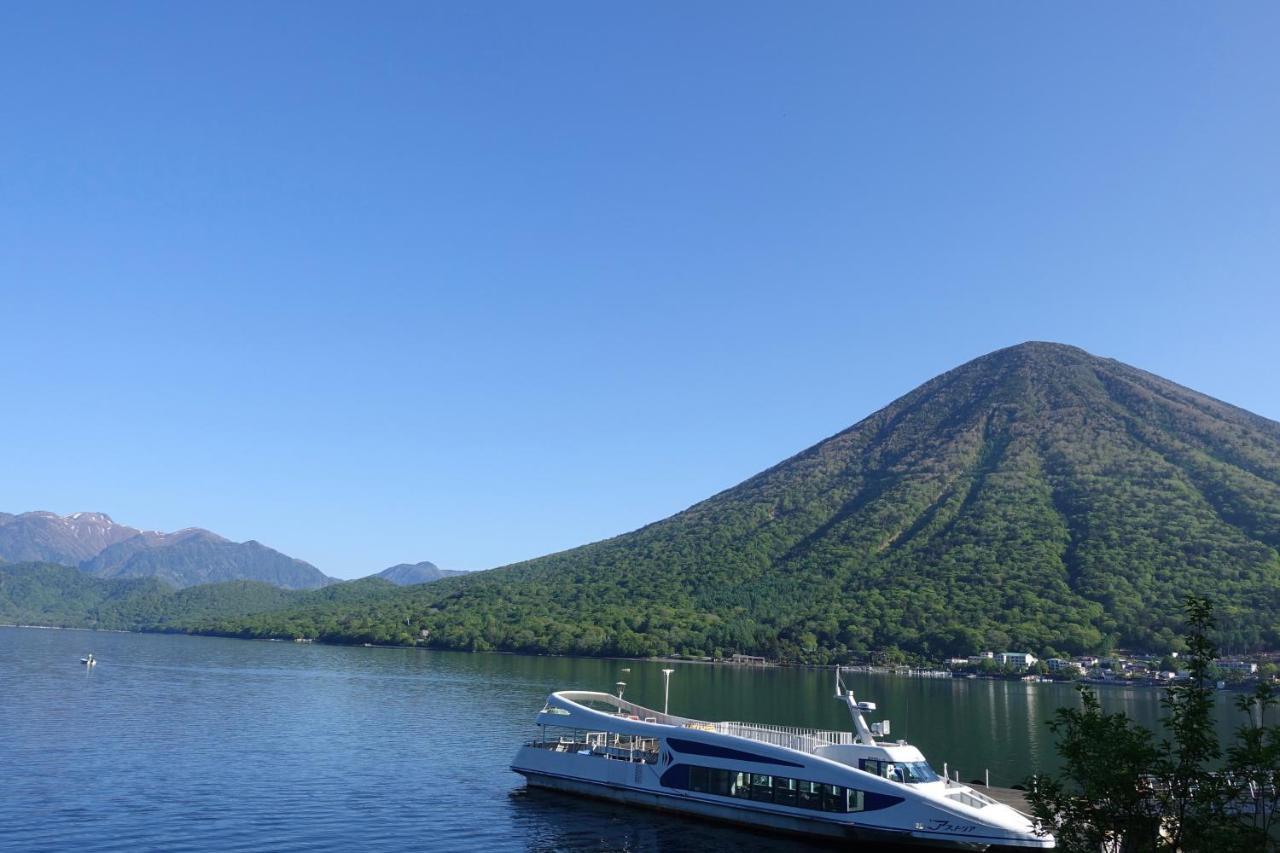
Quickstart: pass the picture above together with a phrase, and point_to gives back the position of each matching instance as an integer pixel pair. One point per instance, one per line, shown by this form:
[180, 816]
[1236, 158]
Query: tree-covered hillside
[1035, 498]
[49, 594]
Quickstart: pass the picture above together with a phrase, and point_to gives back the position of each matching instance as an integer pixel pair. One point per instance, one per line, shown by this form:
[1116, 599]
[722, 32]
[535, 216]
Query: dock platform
[1011, 797]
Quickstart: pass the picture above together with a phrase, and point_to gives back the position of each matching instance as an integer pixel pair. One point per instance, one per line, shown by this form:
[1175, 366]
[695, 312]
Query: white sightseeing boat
[845, 785]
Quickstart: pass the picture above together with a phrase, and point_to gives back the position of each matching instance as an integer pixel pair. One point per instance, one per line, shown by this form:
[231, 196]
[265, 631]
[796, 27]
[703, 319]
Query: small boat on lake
[846, 785]
[89, 660]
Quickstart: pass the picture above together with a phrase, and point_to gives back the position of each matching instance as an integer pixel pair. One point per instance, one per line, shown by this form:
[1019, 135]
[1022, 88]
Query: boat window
[775, 789]
[917, 772]
[761, 787]
[910, 772]
[834, 798]
[809, 795]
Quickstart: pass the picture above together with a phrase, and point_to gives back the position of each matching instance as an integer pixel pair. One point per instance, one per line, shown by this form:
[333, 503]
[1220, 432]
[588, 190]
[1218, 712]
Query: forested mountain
[1037, 497]
[408, 574]
[47, 594]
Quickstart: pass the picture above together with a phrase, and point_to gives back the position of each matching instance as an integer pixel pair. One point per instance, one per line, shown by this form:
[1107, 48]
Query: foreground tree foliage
[1122, 791]
[1254, 758]
[1098, 799]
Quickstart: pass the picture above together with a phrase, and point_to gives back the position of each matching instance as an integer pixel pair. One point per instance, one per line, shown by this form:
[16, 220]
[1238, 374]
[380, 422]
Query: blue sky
[474, 282]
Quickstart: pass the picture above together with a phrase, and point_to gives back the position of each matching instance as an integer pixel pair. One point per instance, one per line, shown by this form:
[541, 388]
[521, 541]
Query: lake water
[181, 743]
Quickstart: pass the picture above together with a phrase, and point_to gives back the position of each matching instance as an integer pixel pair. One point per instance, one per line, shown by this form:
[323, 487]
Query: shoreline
[860, 669]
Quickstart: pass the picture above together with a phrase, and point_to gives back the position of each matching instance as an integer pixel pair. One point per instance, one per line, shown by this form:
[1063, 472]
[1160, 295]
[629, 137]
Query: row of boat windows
[910, 773]
[775, 789]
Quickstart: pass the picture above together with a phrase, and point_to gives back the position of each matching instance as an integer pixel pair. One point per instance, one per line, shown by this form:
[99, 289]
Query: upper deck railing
[789, 737]
[801, 740]
[629, 709]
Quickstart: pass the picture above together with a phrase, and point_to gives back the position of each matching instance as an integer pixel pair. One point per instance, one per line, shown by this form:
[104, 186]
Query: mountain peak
[193, 555]
[1055, 347]
[408, 574]
[48, 537]
[1035, 497]
[1037, 354]
[90, 517]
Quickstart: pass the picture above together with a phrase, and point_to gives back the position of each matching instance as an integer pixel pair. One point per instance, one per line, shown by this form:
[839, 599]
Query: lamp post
[666, 689]
[621, 685]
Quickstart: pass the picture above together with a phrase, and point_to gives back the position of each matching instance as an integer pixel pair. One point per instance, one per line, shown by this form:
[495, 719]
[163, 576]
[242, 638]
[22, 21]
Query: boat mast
[856, 708]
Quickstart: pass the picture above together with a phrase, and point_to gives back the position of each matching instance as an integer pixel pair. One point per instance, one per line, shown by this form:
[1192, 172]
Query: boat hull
[732, 814]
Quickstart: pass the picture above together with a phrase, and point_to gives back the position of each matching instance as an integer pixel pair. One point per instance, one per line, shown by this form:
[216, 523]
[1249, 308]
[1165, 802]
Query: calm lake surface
[181, 743]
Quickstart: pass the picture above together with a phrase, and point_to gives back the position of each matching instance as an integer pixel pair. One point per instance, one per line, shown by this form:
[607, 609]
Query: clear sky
[473, 282]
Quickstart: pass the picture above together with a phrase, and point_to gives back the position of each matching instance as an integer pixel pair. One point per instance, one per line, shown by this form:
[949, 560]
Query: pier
[1011, 797]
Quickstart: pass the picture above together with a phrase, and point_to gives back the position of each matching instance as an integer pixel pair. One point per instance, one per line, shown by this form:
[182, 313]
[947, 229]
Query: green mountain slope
[49, 594]
[1037, 497]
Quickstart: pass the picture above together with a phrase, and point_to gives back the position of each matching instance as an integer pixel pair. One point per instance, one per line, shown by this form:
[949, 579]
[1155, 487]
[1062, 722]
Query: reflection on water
[190, 743]
[555, 821]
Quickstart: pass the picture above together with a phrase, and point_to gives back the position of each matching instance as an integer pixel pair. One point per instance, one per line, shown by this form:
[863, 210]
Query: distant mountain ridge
[194, 556]
[408, 574]
[52, 538]
[99, 546]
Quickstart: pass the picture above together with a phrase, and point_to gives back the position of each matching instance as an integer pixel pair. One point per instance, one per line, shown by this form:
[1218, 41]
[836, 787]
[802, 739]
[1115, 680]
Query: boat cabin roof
[594, 711]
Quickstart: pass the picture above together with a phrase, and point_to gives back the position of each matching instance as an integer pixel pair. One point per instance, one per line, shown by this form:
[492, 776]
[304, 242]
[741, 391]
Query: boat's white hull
[726, 814]
[638, 784]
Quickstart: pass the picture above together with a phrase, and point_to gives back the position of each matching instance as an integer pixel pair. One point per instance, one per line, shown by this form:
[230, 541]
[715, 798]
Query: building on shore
[1062, 665]
[1242, 666]
[1023, 659]
[749, 660]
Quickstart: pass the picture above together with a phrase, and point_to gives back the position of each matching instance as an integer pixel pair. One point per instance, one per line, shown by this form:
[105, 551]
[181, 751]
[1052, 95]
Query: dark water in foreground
[190, 743]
